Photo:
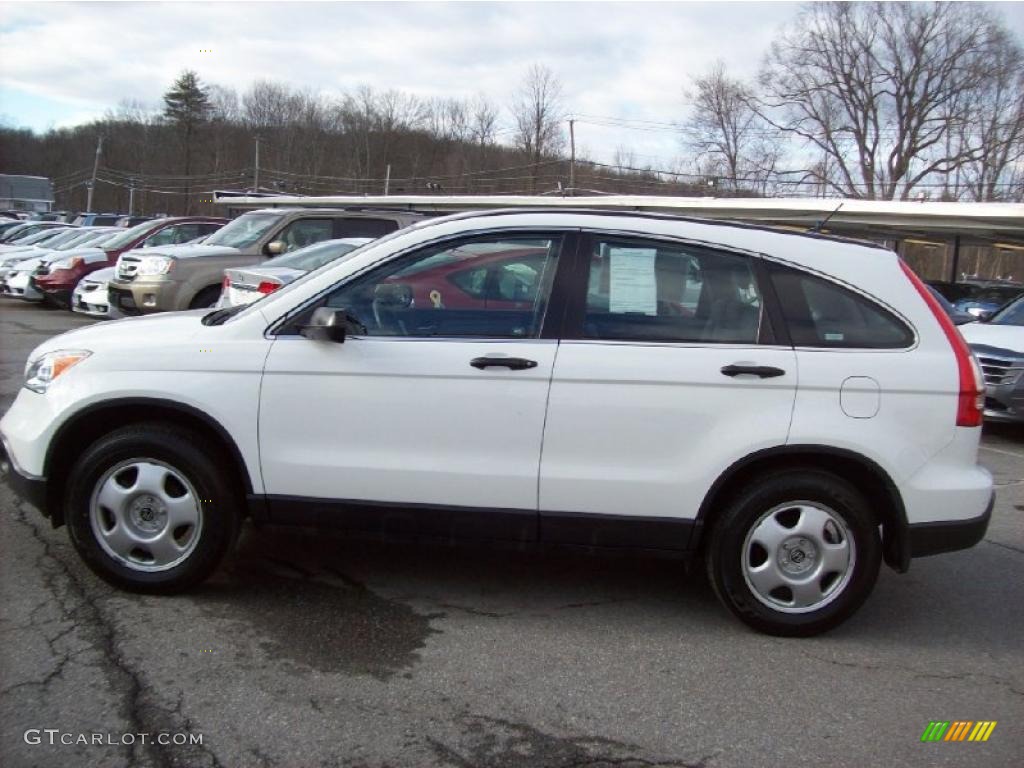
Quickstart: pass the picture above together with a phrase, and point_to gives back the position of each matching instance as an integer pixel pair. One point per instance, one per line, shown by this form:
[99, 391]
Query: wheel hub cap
[146, 514]
[798, 557]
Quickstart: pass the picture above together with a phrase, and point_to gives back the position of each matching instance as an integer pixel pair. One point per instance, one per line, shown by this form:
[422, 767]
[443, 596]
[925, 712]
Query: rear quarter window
[820, 313]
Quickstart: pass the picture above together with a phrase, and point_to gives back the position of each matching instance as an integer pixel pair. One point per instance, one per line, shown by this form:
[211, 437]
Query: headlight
[155, 265]
[39, 373]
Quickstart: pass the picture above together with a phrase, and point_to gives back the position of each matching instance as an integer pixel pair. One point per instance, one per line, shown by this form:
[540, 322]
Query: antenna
[821, 224]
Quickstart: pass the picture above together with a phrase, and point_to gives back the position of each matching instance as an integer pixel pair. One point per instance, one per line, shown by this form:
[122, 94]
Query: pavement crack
[139, 710]
[918, 674]
[1010, 547]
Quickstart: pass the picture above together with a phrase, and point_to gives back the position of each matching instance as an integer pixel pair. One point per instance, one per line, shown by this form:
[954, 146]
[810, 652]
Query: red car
[58, 279]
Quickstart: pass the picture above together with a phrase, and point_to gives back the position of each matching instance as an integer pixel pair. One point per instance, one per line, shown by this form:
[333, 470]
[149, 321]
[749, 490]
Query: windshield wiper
[218, 316]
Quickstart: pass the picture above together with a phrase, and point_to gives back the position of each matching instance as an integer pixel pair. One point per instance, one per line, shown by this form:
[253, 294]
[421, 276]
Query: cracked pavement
[308, 649]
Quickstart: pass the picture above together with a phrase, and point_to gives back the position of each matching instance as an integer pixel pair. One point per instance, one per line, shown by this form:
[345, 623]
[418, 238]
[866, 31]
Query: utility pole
[95, 170]
[256, 171]
[131, 196]
[387, 179]
[572, 157]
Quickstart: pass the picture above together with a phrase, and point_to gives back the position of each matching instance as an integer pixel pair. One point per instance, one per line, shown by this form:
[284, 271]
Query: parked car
[131, 221]
[13, 255]
[342, 400]
[17, 282]
[26, 229]
[90, 295]
[190, 278]
[979, 297]
[35, 261]
[247, 284]
[59, 281]
[41, 238]
[98, 219]
[958, 317]
[7, 225]
[999, 346]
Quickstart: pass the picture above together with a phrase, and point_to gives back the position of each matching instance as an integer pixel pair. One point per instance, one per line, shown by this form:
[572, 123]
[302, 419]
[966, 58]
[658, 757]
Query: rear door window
[820, 313]
[303, 232]
[363, 227]
[654, 291]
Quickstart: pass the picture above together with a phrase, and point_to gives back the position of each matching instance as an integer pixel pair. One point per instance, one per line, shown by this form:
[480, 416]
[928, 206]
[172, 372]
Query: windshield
[1011, 314]
[312, 256]
[82, 237]
[130, 235]
[31, 235]
[60, 237]
[13, 233]
[244, 231]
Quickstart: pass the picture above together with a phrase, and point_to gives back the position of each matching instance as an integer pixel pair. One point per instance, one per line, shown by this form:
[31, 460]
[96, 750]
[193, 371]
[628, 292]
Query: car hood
[1010, 337]
[26, 265]
[185, 251]
[145, 332]
[104, 275]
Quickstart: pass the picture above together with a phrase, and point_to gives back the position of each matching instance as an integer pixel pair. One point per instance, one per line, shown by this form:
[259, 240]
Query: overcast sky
[67, 63]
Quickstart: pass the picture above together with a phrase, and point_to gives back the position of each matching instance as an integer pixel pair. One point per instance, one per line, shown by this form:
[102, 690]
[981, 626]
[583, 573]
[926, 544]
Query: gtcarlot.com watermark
[57, 737]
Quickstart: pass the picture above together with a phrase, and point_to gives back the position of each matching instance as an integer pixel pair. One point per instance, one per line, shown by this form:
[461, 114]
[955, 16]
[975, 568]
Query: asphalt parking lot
[312, 650]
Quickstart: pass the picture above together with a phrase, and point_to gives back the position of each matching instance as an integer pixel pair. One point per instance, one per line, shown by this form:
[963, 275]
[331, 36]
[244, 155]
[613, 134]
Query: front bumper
[60, 296]
[19, 285]
[93, 300]
[139, 298]
[1005, 403]
[32, 489]
[936, 537]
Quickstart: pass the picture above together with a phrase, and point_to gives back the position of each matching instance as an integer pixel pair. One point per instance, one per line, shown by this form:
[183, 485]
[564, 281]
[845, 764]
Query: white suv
[792, 408]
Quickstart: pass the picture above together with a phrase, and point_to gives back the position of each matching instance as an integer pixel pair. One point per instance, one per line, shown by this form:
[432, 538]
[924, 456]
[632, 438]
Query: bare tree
[729, 139]
[483, 120]
[537, 111]
[876, 88]
[996, 126]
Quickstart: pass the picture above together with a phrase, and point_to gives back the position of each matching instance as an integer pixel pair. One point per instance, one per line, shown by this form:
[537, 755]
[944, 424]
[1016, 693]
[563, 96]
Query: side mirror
[275, 248]
[985, 316]
[328, 324]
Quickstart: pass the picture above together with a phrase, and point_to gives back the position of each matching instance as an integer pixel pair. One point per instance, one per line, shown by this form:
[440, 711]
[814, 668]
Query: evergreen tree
[187, 106]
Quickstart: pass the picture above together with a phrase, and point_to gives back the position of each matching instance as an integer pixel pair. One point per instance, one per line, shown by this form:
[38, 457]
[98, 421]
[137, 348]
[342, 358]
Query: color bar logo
[958, 730]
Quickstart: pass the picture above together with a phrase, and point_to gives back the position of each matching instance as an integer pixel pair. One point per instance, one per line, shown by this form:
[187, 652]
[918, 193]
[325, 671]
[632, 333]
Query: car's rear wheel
[205, 298]
[795, 554]
[149, 508]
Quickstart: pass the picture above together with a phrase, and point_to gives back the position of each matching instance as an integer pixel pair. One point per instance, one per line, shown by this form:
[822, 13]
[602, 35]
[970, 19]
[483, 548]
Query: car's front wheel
[795, 554]
[149, 508]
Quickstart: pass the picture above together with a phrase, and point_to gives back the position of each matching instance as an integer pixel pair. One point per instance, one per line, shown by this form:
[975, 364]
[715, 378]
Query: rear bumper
[936, 537]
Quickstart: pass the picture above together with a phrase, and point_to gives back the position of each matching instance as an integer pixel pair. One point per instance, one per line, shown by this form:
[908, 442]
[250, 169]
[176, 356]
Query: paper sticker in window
[632, 283]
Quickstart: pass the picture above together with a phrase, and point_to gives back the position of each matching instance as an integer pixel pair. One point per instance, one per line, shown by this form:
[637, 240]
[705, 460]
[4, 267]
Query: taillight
[971, 399]
[267, 287]
[226, 283]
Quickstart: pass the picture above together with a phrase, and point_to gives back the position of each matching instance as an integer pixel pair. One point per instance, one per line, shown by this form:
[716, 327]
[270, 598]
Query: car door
[429, 418]
[666, 375]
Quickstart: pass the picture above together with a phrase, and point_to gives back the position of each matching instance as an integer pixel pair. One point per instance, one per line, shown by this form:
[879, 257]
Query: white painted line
[1000, 450]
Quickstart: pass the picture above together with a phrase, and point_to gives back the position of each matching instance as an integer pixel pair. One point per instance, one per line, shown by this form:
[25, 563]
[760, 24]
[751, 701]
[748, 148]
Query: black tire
[189, 454]
[206, 298]
[724, 554]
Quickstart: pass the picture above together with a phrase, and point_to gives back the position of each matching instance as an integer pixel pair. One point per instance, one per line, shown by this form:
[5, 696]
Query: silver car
[247, 284]
[999, 346]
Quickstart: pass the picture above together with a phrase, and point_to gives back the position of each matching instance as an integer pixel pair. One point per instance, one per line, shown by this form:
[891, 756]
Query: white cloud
[620, 59]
